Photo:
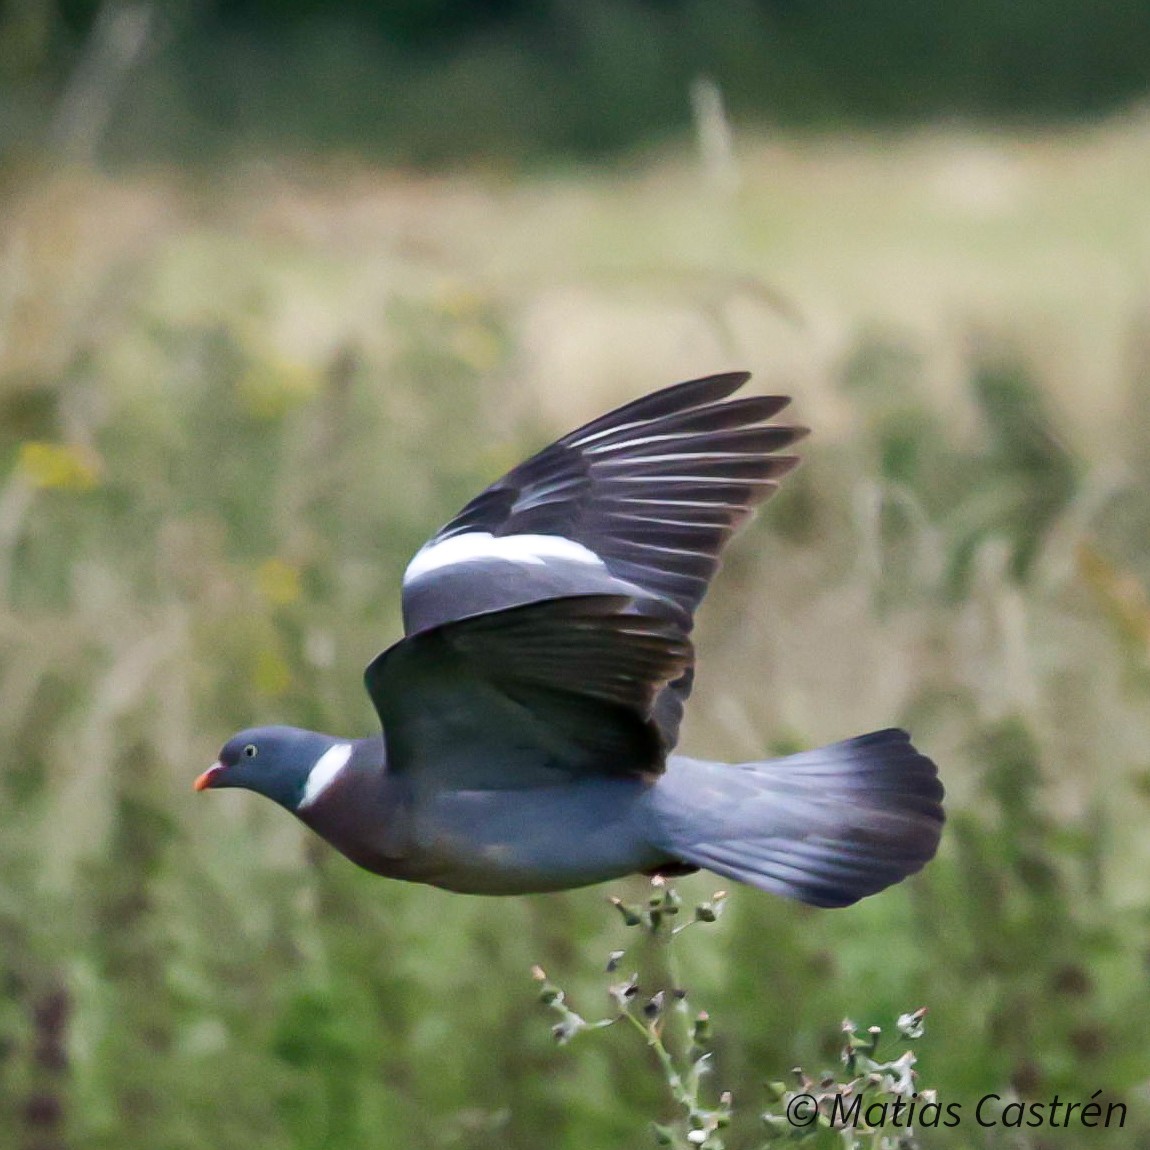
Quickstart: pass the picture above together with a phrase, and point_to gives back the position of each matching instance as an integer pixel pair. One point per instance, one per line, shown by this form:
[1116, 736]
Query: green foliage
[657, 1006]
[439, 81]
[228, 416]
[1011, 484]
[874, 1104]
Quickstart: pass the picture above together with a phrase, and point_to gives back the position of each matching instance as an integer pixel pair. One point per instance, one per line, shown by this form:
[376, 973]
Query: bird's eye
[250, 751]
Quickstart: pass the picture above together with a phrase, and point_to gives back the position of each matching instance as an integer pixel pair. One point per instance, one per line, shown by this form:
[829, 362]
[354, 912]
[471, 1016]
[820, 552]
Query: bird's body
[490, 841]
[529, 713]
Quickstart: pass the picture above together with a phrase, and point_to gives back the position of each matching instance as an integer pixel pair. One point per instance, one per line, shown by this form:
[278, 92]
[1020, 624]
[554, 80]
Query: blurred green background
[281, 285]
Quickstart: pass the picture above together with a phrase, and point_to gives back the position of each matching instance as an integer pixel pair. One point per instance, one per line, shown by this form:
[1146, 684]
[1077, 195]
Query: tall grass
[229, 412]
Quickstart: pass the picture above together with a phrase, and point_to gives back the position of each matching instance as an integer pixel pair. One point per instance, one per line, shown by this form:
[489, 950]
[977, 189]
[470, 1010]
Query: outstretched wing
[639, 502]
[648, 495]
[531, 696]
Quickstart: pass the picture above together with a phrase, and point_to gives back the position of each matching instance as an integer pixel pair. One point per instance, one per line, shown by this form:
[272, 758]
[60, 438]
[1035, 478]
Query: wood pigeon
[530, 711]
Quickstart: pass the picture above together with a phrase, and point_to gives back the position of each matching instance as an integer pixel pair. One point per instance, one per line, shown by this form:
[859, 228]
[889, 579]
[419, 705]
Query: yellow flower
[1120, 592]
[64, 466]
[478, 347]
[272, 673]
[278, 581]
[269, 389]
[457, 301]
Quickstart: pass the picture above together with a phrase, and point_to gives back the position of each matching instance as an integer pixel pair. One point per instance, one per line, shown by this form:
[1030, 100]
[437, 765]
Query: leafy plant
[870, 1098]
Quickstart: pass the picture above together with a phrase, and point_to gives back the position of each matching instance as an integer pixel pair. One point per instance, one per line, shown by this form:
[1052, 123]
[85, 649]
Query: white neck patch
[323, 774]
[476, 546]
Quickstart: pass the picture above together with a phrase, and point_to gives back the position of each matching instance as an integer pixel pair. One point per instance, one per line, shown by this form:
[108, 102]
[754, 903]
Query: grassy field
[232, 404]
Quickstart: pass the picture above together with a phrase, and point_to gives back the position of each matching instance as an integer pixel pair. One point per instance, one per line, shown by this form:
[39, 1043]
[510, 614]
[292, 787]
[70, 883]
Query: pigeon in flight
[530, 712]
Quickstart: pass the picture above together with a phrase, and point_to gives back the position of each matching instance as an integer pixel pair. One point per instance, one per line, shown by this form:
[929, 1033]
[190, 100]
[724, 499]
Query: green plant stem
[674, 1079]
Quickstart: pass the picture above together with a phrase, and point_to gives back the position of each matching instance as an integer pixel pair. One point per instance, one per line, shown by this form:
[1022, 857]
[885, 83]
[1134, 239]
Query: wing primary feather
[672, 400]
[718, 417]
[737, 440]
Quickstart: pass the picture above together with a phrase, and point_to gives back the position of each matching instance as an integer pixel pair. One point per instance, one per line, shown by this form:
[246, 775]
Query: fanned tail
[826, 827]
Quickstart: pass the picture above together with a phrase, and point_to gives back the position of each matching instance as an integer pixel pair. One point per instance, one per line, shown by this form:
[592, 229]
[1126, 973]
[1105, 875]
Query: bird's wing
[647, 494]
[639, 502]
[530, 696]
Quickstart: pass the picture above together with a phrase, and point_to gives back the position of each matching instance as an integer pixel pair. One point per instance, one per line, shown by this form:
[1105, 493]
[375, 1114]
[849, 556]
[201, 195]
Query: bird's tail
[826, 827]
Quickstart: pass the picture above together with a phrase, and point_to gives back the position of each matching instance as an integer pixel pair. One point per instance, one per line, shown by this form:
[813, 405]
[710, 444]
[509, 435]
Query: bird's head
[286, 764]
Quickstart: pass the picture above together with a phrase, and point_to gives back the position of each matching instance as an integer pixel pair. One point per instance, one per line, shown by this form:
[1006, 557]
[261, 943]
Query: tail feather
[826, 827]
